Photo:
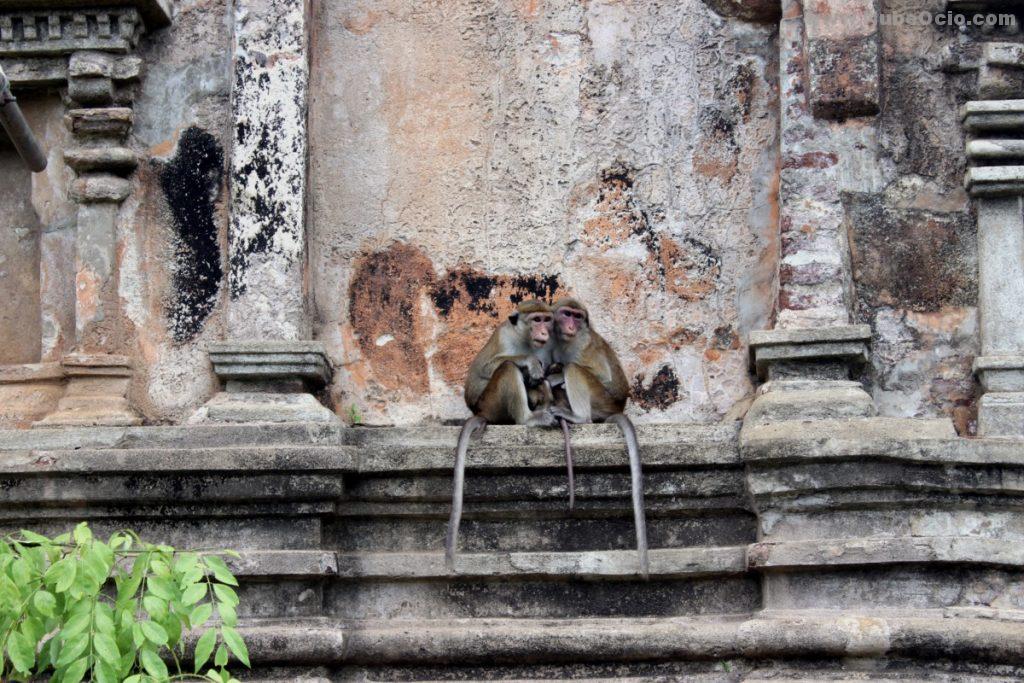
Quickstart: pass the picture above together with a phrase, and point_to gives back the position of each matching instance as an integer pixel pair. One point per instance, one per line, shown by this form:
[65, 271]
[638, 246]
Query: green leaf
[185, 562]
[235, 642]
[76, 671]
[21, 651]
[82, 534]
[204, 647]
[162, 588]
[221, 658]
[193, 575]
[153, 664]
[226, 594]
[33, 537]
[220, 570]
[137, 678]
[200, 615]
[193, 594]
[227, 614]
[61, 575]
[104, 673]
[106, 648]
[76, 624]
[104, 618]
[154, 632]
[45, 603]
[155, 607]
[138, 637]
[71, 649]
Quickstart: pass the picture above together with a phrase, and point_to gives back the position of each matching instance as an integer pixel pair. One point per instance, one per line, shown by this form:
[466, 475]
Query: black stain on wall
[191, 183]
[477, 288]
[662, 392]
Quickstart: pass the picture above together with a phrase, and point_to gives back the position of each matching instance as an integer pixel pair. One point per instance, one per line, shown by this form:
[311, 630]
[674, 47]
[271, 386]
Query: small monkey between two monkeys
[522, 376]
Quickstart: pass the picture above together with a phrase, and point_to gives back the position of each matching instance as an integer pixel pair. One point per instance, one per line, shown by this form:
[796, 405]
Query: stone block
[1001, 414]
[844, 77]
[844, 345]
[29, 392]
[270, 360]
[96, 393]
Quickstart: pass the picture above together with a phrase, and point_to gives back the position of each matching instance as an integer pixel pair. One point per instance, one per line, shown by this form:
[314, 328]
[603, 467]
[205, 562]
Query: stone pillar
[98, 379]
[829, 69]
[996, 182]
[268, 364]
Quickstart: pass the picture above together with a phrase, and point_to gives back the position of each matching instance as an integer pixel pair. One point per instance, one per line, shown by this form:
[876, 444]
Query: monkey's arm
[528, 362]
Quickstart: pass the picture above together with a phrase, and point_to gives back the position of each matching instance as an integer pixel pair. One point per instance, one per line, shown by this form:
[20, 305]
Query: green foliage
[115, 611]
[354, 416]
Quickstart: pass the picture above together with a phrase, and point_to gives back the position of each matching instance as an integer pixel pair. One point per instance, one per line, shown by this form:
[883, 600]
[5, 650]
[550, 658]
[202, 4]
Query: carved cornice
[155, 13]
[37, 36]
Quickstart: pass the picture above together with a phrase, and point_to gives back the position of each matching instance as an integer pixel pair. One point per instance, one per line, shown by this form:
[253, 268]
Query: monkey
[590, 386]
[503, 379]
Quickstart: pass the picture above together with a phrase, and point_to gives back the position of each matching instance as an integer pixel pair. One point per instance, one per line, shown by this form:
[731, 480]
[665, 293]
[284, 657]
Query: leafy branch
[61, 615]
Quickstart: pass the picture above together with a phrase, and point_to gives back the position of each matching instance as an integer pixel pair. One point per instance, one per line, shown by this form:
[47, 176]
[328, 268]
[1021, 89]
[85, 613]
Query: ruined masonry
[239, 305]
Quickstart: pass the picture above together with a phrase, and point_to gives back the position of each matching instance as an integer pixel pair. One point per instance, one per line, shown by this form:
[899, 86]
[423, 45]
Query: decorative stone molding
[797, 353]
[995, 179]
[29, 392]
[268, 381]
[86, 46]
[96, 393]
[808, 374]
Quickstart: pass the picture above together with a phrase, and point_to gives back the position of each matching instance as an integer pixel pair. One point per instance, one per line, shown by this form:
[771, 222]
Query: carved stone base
[96, 394]
[29, 392]
[808, 374]
[1001, 409]
[267, 382]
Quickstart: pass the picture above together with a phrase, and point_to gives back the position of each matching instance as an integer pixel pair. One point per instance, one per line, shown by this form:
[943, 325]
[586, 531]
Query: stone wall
[465, 153]
[655, 159]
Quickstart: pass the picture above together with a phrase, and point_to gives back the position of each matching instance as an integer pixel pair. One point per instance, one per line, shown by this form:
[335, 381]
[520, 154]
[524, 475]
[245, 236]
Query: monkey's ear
[514, 319]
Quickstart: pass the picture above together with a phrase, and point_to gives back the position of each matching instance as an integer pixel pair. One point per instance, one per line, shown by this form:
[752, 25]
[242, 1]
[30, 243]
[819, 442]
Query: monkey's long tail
[633, 446]
[568, 462]
[472, 425]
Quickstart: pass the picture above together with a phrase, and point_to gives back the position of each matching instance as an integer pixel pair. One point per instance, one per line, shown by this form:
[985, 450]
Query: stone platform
[856, 549]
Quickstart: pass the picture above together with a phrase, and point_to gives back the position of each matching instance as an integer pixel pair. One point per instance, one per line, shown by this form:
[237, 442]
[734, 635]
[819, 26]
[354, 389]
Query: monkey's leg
[472, 425]
[633, 446]
[568, 463]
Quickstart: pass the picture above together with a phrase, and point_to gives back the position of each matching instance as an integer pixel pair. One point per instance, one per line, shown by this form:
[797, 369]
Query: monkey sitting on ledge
[589, 385]
[522, 376]
[504, 386]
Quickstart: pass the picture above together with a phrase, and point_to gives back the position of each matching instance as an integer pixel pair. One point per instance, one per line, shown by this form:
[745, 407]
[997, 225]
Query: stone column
[996, 182]
[829, 69]
[268, 364]
[98, 379]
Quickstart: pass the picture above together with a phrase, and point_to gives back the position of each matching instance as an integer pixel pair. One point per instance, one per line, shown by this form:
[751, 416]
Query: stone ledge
[923, 440]
[606, 564]
[31, 372]
[172, 436]
[292, 564]
[914, 635]
[874, 551]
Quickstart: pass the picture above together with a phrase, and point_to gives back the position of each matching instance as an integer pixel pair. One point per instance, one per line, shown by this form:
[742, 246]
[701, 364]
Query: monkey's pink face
[540, 328]
[569, 322]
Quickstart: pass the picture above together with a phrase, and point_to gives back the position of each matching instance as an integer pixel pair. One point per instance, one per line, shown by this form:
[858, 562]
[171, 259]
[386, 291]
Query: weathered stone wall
[462, 153]
[913, 242]
[175, 227]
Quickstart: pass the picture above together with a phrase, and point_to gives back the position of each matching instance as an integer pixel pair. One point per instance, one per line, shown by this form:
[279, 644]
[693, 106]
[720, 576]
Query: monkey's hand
[533, 369]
